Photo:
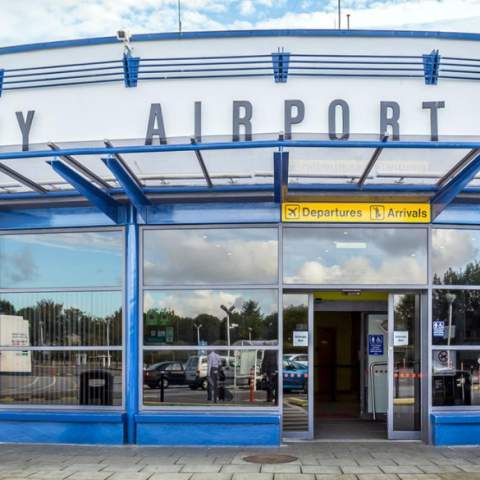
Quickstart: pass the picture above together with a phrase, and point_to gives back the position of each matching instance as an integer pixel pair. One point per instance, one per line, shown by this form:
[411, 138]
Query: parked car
[301, 358]
[172, 373]
[295, 376]
[196, 371]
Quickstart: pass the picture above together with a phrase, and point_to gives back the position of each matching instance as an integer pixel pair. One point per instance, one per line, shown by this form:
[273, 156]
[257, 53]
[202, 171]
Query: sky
[28, 21]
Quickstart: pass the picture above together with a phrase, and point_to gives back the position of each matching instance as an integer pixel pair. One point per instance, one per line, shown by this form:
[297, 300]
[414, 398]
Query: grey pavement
[315, 461]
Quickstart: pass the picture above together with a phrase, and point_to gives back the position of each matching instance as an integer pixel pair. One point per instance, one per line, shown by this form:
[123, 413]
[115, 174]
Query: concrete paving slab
[360, 469]
[281, 468]
[211, 476]
[320, 469]
[192, 468]
[247, 468]
[400, 469]
[252, 476]
[171, 476]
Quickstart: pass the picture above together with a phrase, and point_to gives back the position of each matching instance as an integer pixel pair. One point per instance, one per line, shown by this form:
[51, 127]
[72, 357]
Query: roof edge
[147, 37]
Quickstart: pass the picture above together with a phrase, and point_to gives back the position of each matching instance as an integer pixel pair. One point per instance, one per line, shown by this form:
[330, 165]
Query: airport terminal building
[236, 238]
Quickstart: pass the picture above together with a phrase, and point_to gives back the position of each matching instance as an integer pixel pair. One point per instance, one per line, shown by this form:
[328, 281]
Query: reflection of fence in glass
[55, 378]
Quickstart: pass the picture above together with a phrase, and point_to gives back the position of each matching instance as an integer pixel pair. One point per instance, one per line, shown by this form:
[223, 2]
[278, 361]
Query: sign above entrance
[356, 212]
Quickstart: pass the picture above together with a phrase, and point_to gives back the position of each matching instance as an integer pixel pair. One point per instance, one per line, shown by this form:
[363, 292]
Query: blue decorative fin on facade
[280, 62]
[2, 74]
[130, 70]
[431, 67]
[280, 176]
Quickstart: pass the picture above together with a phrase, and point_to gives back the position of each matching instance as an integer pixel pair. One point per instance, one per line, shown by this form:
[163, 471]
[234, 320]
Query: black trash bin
[96, 388]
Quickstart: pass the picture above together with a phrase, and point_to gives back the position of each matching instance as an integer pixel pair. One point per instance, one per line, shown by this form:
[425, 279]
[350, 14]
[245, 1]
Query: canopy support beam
[458, 167]
[448, 192]
[21, 179]
[201, 162]
[73, 162]
[371, 163]
[134, 192]
[97, 197]
[124, 164]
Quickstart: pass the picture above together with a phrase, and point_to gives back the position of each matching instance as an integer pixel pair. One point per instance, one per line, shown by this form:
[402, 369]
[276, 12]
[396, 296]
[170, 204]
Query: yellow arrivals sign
[356, 212]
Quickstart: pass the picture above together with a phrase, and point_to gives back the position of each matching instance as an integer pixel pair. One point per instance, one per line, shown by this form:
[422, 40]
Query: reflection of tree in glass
[52, 324]
[470, 275]
[164, 326]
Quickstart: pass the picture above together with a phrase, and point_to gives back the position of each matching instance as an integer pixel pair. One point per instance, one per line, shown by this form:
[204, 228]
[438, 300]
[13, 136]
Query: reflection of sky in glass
[192, 303]
[61, 260]
[202, 256]
[454, 249]
[348, 255]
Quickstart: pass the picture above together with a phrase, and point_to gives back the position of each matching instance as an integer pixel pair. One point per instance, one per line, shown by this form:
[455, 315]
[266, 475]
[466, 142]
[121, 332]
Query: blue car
[295, 376]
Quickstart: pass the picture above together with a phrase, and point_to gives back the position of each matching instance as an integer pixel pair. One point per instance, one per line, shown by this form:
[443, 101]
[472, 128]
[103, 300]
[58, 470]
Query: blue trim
[423, 144]
[132, 325]
[455, 428]
[447, 194]
[99, 198]
[148, 37]
[209, 429]
[2, 76]
[129, 184]
[130, 70]
[280, 175]
[431, 66]
[280, 62]
[61, 416]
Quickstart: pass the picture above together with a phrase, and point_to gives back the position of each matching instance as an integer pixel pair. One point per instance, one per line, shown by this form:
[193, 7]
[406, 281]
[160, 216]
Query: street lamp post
[450, 297]
[198, 327]
[228, 311]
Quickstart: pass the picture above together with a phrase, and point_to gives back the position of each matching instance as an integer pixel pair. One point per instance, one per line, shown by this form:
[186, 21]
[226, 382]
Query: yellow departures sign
[356, 212]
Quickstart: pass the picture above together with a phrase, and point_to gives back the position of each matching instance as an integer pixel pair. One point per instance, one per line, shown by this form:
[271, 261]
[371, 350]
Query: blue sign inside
[375, 345]
[438, 328]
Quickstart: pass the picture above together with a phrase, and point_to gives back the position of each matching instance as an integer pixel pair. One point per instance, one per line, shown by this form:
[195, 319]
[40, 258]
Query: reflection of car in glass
[295, 376]
[173, 373]
[452, 388]
[301, 358]
[196, 371]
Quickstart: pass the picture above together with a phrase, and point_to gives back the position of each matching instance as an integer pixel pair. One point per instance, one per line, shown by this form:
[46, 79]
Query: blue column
[132, 383]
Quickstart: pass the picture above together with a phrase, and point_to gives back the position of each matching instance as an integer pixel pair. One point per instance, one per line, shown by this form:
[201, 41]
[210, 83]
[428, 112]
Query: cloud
[65, 19]
[210, 257]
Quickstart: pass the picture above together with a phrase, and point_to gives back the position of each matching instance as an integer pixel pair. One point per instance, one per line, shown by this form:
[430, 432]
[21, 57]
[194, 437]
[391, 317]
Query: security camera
[123, 35]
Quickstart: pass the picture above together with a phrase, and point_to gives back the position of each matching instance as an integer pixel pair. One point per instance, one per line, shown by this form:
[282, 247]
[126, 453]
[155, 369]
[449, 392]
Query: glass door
[297, 366]
[404, 366]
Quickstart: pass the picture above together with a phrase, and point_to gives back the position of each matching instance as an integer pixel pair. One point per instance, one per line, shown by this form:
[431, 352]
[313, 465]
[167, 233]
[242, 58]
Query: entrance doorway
[352, 365]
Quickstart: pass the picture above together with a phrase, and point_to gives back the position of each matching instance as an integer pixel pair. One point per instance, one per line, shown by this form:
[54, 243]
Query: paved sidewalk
[316, 461]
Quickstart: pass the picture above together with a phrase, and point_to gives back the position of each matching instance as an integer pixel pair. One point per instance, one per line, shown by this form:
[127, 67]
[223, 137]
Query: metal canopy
[311, 164]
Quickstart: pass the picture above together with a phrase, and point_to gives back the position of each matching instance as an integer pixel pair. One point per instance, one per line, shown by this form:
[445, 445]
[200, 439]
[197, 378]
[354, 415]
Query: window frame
[207, 286]
[121, 348]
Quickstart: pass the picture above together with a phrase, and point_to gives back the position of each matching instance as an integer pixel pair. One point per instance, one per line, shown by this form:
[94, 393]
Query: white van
[196, 371]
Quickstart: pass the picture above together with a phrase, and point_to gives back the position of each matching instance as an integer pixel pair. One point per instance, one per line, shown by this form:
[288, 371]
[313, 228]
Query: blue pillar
[132, 383]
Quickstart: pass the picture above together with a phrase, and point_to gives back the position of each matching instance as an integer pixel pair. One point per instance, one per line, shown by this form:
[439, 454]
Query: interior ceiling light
[350, 245]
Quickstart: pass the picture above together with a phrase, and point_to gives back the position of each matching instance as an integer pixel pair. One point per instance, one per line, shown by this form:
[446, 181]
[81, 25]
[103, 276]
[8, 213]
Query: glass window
[384, 256]
[456, 379]
[241, 378]
[406, 363]
[210, 256]
[61, 319]
[456, 317]
[61, 260]
[86, 378]
[295, 363]
[456, 256]
[210, 317]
